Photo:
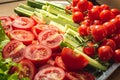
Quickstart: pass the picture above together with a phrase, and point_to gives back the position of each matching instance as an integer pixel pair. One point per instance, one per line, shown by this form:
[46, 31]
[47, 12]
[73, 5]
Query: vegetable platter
[71, 40]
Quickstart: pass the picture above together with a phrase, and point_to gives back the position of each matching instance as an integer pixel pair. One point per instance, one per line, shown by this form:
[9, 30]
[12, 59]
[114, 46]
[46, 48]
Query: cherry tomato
[21, 35]
[68, 7]
[72, 60]
[109, 42]
[117, 55]
[105, 15]
[83, 30]
[98, 32]
[38, 54]
[77, 17]
[97, 22]
[75, 9]
[82, 5]
[90, 5]
[105, 7]
[87, 22]
[115, 11]
[14, 49]
[50, 38]
[74, 3]
[93, 13]
[59, 62]
[89, 49]
[82, 75]
[50, 73]
[6, 23]
[23, 23]
[116, 22]
[105, 53]
[110, 28]
[116, 38]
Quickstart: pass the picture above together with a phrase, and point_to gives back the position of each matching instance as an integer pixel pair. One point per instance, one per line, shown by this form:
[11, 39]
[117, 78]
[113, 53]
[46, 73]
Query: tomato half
[14, 50]
[23, 23]
[50, 38]
[6, 23]
[38, 54]
[82, 75]
[21, 35]
[72, 60]
[50, 73]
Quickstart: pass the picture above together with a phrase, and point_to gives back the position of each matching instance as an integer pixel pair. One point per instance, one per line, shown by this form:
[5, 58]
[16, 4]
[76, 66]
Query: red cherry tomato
[50, 38]
[97, 22]
[116, 38]
[6, 23]
[75, 9]
[110, 28]
[59, 62]
[68, 7]
[14, 49]
[82, 5]
[21, 35]
[109, 42]
[72, 60]
[74, 3]
[23, 23]
[77, 17]
[50, 73]
[89, 49]
[115, 11]
[117, 55]
[105, 7]
[83, 30]
[38, 54]
[90, 5]
[105, 53]
[116, 22]
[98, 32]
[105, 15]
[93, 13]
[82, 75]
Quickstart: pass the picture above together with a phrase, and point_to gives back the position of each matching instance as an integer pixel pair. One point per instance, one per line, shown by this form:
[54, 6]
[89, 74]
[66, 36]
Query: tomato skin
[105, 53]
[115, 11]
[75, 9]
[116, 38]
[28, 69]
[105, 15]
[109, 42]
[116, 22]
[74, 3]
[82, 5]
[23, 23]
[117, 55]
[72, 60]
[21, 35]
[110, 28]
[97, 22]
[77, 17]
[38, 54]
[7, 24]
[98, 32]
[50, 38]
[105, 7]
[14, 49]
[90, 5]
[83, 30]
[50, 73]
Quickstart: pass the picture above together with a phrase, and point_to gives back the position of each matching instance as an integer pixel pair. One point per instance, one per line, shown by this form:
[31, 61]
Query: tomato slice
[23, 23]
[82, 75]
[14, 50]
[38, 54]
[21, 35]
[72, 60]
[40, 27]
[50, 73]
[6, 23]
[50, 38]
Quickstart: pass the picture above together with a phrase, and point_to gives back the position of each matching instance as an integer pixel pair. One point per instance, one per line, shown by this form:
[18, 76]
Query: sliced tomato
[50, 38]
[50, 73]
[38, 54]
[72, 60]
[21, 35]
[14, 50]
[13, 17]
[23, 23]
[6, 23]
[40, 27]
[82, 75]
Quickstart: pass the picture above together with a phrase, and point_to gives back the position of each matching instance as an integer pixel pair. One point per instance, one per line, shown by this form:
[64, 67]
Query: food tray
[111, 69]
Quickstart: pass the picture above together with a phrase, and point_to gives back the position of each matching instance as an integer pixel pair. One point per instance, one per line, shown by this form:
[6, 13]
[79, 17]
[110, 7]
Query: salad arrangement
[47, 41]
